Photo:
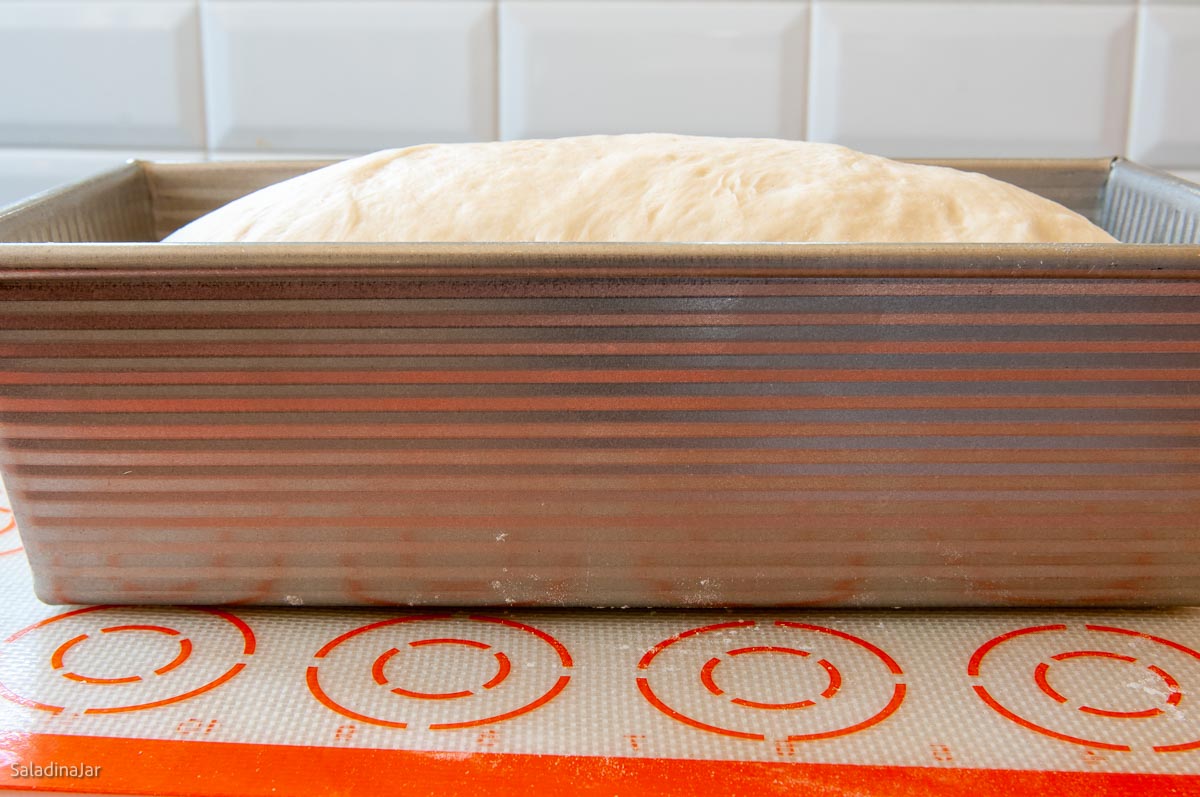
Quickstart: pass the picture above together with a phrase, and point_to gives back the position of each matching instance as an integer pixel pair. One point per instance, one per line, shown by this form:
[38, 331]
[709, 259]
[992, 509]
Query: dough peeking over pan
[645, 187]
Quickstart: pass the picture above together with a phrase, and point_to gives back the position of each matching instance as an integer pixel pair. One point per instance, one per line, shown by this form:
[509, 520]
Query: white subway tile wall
[964, 79]
[641, 66]
[90, 83]
[1165, 123]
[100, 74]
[347, 76]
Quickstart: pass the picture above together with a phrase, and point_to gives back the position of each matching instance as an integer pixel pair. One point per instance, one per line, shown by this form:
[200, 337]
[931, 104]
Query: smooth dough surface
[646, 187]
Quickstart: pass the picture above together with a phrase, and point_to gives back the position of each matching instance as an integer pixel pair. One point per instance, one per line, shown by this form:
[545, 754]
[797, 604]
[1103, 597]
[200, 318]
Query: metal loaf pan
[602, 425]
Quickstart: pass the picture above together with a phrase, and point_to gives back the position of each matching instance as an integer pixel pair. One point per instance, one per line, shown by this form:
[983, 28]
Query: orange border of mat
[187, 769]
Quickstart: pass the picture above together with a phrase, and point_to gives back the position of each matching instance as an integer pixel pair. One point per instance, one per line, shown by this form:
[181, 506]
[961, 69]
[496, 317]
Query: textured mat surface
[174, 700]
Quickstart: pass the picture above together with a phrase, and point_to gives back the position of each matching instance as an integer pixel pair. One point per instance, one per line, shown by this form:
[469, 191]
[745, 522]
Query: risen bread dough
[639, 188]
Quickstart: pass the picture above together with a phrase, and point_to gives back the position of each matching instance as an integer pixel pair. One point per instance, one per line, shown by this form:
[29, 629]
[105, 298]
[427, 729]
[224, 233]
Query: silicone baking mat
[239, 701]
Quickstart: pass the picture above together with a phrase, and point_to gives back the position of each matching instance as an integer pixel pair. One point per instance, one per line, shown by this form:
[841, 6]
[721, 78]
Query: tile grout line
[1135, 73]
[202, 78]
[809, 83]
[496, 81]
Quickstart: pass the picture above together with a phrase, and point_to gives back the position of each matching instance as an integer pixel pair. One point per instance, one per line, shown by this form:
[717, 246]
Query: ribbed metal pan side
[1146, 206]
[185, 192]
[598, 425]
[113, 206]
[1076, 183]
[557, 438]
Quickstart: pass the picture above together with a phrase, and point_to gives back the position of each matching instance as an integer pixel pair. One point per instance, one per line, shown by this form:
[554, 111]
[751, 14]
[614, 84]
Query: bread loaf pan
[601, 425]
